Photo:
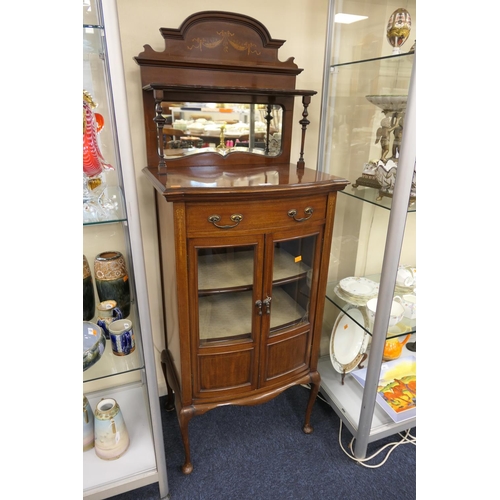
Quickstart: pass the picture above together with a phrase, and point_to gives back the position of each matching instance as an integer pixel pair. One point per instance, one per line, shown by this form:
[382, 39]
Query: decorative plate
[359, 287]
[348, 341]
[350, 299]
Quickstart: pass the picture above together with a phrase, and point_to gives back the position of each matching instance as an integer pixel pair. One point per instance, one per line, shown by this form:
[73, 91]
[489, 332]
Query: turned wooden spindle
[306, 99]
[160, 121]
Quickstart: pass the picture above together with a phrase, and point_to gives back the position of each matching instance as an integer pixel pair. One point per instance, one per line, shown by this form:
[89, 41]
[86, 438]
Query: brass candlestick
[222, 144]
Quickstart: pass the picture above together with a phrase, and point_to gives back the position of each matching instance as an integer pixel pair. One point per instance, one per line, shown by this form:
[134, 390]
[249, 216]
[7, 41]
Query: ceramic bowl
[94, 343]
[389, 102]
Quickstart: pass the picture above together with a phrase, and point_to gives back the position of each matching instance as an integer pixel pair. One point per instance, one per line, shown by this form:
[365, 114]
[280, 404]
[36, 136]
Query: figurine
[398, 135]
[387, 125]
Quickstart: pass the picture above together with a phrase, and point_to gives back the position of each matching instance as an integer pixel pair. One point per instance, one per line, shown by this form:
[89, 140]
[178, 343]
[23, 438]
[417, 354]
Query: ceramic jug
[111, 437]
[88, 425]
[394, 347]
[122, 337]
[107, 312]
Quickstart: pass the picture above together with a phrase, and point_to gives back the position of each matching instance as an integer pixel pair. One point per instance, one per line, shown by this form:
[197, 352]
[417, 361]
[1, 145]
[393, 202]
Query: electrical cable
[406, 438]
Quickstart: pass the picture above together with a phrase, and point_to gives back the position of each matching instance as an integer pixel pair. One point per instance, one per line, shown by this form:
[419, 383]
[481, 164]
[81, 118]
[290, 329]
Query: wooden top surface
[211, 183]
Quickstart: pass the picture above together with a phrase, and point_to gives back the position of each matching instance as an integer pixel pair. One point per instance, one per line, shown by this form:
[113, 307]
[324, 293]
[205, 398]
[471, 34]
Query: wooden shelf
[230, 316]
[217, 272]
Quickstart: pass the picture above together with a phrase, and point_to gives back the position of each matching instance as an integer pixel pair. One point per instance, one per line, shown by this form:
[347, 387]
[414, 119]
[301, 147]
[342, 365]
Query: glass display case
[368, 124]
[114, 274]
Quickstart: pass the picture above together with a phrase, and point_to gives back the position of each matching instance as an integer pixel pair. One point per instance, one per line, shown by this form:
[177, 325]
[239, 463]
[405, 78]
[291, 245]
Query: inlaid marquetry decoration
[226, 38]
[213, 39]
[221, 57]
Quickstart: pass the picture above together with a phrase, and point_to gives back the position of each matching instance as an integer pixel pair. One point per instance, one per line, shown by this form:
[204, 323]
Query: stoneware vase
[111, 439]
[107, 312]
[112, 280]
[122, 337]
[88, 425]
[88, 292]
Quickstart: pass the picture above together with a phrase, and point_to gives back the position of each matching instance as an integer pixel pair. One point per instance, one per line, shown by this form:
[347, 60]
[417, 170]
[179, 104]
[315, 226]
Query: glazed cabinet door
[290, 287]
[252, 311]
[225, 326]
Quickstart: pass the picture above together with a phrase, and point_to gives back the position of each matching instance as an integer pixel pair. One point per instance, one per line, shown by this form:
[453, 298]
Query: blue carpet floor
[260, 452]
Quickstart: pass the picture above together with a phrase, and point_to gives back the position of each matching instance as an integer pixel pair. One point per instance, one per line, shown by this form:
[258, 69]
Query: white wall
[301, 23]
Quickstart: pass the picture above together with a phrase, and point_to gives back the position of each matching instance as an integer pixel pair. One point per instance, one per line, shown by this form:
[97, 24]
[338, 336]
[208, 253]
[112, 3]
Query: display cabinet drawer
[229, 217]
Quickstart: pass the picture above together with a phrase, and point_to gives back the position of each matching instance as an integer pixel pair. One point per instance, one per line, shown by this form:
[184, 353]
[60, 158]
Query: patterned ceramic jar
[111, 437]
[112, 281]
[88, 425]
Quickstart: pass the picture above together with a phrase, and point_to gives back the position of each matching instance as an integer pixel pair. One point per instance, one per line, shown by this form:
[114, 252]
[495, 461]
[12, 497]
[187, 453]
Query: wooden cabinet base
[186, 413]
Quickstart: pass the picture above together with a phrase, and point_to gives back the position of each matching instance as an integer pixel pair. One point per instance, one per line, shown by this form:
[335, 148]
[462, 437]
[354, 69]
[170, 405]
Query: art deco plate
[348, 341]
[359, 287]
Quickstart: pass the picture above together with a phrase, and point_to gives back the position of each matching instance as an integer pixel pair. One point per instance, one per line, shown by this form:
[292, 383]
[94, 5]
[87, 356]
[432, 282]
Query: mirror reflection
[192, 128]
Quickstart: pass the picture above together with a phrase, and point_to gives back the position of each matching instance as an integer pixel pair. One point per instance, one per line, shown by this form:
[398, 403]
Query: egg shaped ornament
[398, 29]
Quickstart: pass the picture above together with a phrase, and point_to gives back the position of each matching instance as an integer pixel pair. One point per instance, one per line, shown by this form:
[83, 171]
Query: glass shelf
[371, 195]
[404, 327]
[114, 196]
[391, 59]
[358, 92]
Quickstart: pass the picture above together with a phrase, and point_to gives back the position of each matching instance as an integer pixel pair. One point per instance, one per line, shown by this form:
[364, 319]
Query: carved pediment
[221, 39]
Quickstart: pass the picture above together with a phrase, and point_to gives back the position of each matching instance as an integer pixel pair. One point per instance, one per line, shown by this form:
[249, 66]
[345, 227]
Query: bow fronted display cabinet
[244, 232]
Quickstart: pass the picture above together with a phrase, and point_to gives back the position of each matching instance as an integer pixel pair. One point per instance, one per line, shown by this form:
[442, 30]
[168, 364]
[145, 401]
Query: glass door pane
[225, 292]
[292, 278]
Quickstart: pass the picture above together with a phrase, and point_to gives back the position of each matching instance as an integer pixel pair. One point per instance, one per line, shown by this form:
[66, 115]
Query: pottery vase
[88, 425]
[88, 292]
[111, 438]
[107, 312]
[112, 280]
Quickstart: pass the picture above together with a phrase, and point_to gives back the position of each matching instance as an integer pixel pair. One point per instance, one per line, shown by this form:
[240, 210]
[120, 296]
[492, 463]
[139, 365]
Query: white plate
[351, 299]
[359, 287]
[348, 341]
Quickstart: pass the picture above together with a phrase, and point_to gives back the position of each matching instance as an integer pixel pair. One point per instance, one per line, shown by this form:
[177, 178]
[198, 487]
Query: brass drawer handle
[216, 218]
[308, 211]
